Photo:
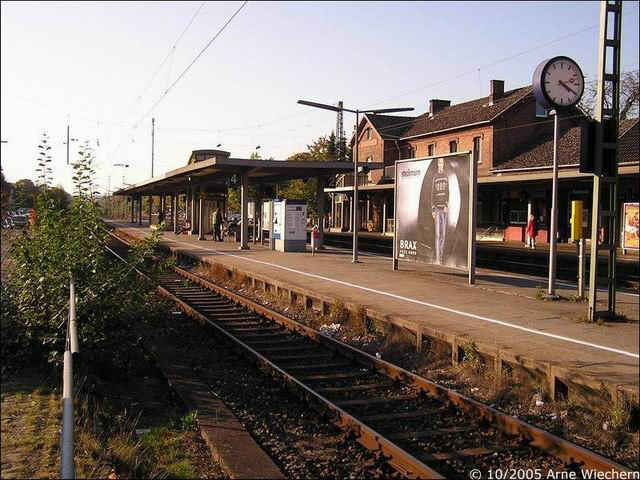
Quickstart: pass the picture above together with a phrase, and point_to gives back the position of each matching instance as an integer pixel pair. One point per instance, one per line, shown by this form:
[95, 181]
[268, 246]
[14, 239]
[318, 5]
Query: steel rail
[401, 460]
[558, 447]
[404, 462]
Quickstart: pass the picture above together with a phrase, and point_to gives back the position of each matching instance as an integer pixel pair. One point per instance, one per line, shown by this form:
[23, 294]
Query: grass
[105, 443]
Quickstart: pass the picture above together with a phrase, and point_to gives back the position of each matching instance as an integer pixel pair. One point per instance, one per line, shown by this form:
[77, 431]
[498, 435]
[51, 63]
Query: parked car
[19, 220]
[7, 222]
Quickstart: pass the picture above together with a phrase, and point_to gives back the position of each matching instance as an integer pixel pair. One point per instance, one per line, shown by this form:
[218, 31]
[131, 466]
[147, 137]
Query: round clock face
[559, 83]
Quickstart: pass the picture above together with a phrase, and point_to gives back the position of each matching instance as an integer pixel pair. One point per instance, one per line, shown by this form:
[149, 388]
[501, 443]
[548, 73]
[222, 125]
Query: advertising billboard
[432, 219]
[630, 231]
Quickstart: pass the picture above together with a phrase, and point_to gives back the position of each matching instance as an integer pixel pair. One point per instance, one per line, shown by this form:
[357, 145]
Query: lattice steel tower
[605, 180]
[340, 137]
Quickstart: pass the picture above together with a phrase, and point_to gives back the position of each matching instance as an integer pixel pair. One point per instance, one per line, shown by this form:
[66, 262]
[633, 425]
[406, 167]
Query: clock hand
[566, 87]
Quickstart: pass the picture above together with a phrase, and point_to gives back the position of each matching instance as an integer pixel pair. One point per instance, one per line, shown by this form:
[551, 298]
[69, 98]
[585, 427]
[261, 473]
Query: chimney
[496, 91]
[436, 106]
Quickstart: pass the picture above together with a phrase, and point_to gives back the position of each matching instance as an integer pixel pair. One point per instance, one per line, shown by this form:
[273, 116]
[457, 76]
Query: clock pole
[553, 241]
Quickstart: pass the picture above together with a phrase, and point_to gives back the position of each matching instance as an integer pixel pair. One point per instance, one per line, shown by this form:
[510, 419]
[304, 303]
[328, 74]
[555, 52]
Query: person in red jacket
[532, 231]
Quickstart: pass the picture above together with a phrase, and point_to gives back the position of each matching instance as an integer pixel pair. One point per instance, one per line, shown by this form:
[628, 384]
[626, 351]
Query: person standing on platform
[532, 231]
[439, 209]
[217, 225]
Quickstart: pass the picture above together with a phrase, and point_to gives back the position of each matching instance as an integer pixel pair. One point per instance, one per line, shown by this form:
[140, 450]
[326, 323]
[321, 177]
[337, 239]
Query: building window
[477, 149]
[412, 152]
[431, 150]
[369, 159]
[453, 146]
[369, 135]
[518, 217]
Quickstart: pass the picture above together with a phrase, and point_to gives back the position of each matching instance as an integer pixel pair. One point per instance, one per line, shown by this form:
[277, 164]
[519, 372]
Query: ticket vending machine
[289, 225]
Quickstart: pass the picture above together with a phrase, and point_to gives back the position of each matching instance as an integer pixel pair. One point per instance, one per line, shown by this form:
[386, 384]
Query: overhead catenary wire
[164, 60]
[184, 72]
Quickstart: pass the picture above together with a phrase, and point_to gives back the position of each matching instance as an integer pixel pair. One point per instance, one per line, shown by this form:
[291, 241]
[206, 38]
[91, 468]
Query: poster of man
[630, 239]
[432, 216]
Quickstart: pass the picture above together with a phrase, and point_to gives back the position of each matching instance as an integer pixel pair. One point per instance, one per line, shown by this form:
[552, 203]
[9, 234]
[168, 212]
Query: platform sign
[630, 232]
[434, 217]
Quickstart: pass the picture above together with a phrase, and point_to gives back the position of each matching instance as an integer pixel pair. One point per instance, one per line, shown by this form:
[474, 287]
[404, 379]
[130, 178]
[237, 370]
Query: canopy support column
[150, 208]
[319, 243]
[140, 211]
[201, 215]
[133, 209]
[174, 211]
[192, 204]
[244, 207]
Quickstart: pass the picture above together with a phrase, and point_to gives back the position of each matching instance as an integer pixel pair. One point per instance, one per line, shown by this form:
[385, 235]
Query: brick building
[512, 139]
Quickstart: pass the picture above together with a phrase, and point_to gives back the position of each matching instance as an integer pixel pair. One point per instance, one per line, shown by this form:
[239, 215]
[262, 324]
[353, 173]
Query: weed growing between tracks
[610, 427]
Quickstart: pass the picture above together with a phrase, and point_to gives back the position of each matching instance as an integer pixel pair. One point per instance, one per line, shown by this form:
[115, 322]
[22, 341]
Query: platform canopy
[211, 168]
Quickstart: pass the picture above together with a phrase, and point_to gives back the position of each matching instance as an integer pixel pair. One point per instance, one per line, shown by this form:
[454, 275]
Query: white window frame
[479, 137]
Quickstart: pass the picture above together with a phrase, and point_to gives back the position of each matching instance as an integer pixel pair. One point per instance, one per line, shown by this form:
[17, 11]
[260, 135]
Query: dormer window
[453, 146]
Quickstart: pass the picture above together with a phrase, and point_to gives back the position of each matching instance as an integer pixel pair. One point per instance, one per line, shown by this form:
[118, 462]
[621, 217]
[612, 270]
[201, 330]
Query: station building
[512, 139]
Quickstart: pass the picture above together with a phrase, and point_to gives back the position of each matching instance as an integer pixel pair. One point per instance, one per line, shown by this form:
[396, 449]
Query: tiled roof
[467, 113]
[628, 143]
[540, 152]
[390, 126]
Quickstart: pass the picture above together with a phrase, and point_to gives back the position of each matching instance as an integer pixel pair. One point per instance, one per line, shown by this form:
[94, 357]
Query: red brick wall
[465, 142]
[378, 149]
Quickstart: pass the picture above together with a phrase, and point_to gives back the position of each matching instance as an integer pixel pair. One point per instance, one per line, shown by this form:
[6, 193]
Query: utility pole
[153, 132]
[340, 133]
[67, 144]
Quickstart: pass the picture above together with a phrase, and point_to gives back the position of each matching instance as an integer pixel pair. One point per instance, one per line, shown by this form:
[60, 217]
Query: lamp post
[354, 208]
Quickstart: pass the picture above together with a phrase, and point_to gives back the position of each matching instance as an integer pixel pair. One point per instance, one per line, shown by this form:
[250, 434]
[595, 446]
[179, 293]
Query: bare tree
[629, 96]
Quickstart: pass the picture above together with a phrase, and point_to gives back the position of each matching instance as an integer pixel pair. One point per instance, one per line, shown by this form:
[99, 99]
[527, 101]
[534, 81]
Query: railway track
[419, 427]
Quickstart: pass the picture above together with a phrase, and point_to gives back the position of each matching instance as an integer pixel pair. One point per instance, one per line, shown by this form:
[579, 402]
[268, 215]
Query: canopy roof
[216, 168]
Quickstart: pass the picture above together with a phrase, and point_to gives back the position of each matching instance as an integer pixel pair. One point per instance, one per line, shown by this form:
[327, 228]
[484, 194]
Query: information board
[432, 219]
[630, 231]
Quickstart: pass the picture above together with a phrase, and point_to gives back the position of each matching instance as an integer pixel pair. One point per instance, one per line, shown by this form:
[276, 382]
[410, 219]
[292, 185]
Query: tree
[629, 96]
[5, 191]
[25, 193]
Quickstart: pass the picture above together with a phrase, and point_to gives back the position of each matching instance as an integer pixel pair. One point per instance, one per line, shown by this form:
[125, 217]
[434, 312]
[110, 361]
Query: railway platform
[501, 314]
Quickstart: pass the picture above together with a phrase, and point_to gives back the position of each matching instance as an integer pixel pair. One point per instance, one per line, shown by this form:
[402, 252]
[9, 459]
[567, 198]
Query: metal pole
[201, 217]
[554, 210]
[272, 243]
[473, 195]
[150, 208]
[67, 144]
[320, 209]
[73, 332]
[153, 136]
[395, 217]
[67, 467]
[174, 211]
[244, 218]
[582, 265]
[354, 208]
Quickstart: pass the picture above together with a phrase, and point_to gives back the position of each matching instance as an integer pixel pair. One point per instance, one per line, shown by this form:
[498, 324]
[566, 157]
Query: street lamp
[354, 208]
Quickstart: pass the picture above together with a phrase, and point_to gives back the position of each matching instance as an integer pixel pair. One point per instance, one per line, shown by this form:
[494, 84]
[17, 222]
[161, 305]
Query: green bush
[63, 242]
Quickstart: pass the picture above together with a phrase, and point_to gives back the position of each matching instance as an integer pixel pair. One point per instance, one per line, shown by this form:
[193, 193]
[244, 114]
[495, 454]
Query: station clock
[558, 83]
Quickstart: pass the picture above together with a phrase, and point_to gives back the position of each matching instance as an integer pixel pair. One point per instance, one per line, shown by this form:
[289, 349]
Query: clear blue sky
[93, 60]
